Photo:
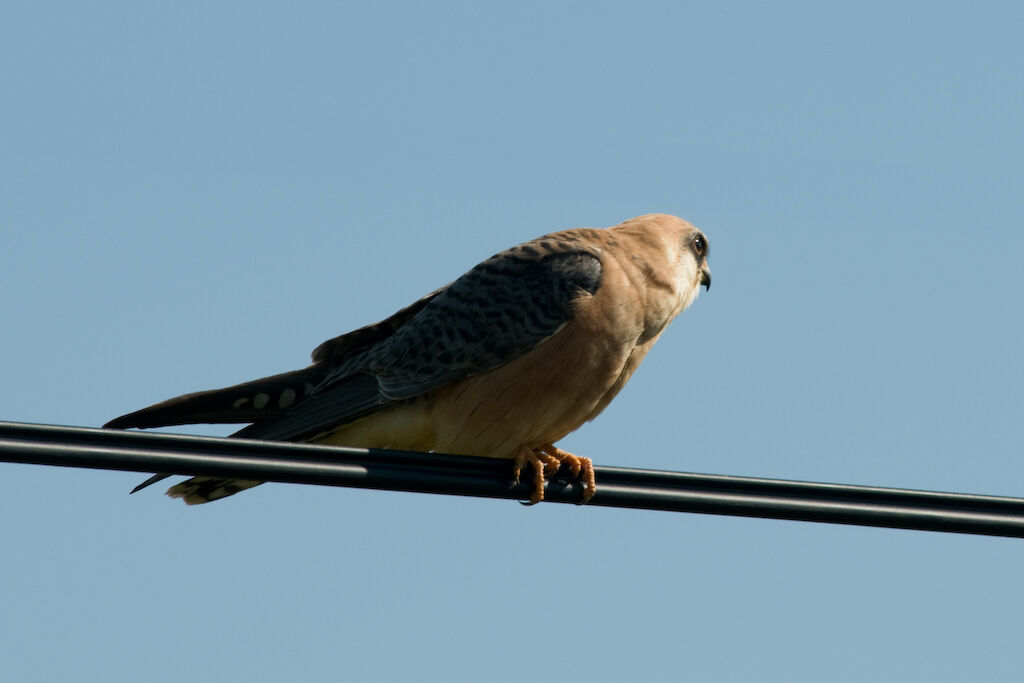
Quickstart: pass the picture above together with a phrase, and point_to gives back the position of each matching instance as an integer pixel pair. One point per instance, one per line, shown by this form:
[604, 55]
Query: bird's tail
[205, 489]
[248, 402]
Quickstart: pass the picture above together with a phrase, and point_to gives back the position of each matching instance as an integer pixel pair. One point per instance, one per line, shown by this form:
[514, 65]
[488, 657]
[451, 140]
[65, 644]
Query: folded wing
[494, 313]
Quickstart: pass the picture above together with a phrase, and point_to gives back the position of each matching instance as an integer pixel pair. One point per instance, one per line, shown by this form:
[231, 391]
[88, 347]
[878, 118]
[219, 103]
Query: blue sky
[197, 194]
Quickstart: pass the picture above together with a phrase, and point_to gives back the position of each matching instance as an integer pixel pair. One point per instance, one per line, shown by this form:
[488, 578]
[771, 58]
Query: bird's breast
[535, 399]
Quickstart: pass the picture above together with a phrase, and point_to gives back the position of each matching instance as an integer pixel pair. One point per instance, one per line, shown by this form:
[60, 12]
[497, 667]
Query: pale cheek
[689, 295]
[689, 299]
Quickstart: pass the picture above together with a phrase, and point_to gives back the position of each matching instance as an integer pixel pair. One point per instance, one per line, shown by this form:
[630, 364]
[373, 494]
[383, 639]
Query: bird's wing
[263, 399]
[339, 350]
[496, 312]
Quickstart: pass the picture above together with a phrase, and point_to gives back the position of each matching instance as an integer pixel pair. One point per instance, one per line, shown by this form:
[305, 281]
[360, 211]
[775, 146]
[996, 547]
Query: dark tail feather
[152, 480]
[248, 402]
[351, 398]
[280, 408]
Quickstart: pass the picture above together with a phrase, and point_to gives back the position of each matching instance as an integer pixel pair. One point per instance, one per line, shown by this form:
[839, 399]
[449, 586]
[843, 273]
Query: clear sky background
[197, 194]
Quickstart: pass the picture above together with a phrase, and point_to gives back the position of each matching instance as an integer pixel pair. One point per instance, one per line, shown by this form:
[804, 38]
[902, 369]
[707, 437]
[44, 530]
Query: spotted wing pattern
[494, 313]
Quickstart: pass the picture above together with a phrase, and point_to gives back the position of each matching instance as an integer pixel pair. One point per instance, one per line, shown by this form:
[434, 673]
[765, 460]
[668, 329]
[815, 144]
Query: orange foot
[546, 460]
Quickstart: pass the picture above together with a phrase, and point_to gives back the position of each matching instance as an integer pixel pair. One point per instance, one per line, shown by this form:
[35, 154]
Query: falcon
[502, 362]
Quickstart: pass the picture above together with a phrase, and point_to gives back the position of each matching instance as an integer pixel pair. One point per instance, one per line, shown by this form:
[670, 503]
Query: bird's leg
[542, 464]
[581, 468]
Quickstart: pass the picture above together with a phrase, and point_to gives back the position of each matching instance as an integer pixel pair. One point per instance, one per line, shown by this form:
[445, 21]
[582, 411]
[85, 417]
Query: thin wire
[492, 478]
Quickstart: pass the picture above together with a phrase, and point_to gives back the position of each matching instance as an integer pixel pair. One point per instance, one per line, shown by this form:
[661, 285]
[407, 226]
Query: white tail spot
[259, 401]
[286, 399]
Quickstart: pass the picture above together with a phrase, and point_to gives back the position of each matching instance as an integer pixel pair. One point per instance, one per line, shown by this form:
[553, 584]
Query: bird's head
[673, 258]
[679, 245]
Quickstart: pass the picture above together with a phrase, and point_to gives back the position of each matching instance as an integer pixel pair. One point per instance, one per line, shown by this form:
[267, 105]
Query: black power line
[491, 478]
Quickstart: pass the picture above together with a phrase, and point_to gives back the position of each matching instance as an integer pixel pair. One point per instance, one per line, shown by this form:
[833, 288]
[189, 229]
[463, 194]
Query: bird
[504, 361]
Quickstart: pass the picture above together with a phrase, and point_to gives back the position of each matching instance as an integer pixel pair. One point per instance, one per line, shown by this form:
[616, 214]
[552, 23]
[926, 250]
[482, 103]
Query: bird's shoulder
[546, 271]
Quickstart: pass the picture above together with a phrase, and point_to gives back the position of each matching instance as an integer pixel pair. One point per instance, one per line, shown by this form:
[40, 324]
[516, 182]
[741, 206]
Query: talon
[546, 461]
[580, 467]
[540, 464]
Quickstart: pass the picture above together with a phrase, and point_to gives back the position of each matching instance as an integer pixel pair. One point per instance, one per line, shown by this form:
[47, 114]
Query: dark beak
[705, 278]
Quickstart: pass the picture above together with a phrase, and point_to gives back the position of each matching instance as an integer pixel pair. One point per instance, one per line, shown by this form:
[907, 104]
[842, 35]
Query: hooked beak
[705, 278]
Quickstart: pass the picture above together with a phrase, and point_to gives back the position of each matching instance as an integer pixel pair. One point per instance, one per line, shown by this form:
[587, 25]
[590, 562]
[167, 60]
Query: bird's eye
[700, 245]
